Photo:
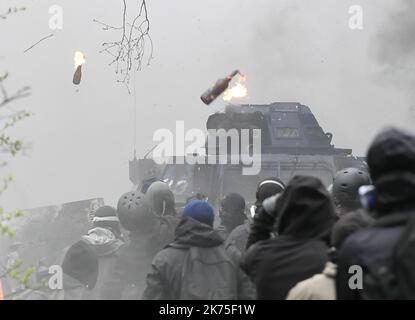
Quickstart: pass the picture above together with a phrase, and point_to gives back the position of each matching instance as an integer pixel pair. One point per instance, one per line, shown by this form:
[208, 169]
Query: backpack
[208, 274]
[395, 280]
[405, 261]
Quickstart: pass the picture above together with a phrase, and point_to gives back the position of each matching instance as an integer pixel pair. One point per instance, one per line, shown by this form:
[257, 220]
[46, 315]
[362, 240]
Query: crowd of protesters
[301, 240]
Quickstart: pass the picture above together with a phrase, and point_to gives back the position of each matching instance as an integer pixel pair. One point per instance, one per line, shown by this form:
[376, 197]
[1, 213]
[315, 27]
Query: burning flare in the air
[239, 90]
[79, 60]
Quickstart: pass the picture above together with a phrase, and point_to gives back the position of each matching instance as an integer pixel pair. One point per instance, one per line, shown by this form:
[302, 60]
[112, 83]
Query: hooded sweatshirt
[106, 246]
[301, 249]
[391, 160]
[323, 286]
[80, 270]
[164, 281]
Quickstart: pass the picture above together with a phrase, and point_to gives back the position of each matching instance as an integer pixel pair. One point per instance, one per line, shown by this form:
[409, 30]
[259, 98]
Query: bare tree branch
[10, 11]
[6, 99]
[129, 52]
[21, 93]
[44, 38]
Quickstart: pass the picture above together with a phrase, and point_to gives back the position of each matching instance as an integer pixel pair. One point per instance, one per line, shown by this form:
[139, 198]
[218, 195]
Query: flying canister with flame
[220, 86]
[79, 60]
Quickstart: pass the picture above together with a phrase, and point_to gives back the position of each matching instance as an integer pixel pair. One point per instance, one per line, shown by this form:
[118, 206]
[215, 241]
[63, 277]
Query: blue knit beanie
[199, 210]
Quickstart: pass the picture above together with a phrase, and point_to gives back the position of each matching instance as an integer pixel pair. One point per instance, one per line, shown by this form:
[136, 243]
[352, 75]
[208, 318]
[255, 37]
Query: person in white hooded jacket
[104, 239]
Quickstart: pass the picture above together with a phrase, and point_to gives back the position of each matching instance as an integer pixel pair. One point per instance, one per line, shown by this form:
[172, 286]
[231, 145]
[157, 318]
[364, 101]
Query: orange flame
[79, 59]
[239, 90]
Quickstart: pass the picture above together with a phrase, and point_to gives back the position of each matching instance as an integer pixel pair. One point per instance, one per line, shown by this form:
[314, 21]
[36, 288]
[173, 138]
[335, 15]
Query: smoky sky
[393, 46]
[82, 137]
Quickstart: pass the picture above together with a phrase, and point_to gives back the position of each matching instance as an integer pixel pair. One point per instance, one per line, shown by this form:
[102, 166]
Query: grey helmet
[160, 199]
[345, 189]
[133, 213]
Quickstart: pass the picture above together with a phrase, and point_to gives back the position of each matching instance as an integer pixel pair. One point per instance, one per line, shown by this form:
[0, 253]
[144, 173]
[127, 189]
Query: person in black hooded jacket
[238, 238]
[306, 215]
[391, 161]
[148, 233]
[80, 271]
[263, 224]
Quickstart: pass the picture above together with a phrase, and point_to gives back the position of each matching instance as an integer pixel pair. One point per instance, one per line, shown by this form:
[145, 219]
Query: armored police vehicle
[292, 143]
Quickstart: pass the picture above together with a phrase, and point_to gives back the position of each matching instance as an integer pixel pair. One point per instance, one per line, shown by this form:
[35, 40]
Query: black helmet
[346, 185]
[267, 188]
[133, 213]
[232, 211]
